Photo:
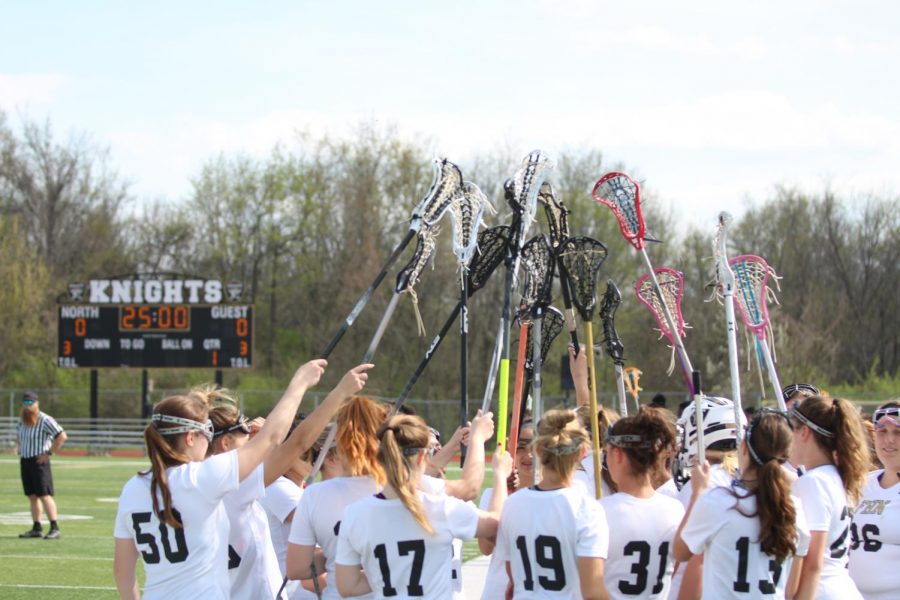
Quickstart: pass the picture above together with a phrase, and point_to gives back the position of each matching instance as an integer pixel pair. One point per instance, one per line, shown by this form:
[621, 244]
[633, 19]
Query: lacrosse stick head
[537, 262]
[552, 324]
[466, 213]
[751, 276]
[623, 195]
[557, 214]
[527, 181]
[671, 285]
[632, 376]
[724, 275]
[608, 305]
[409, 276]
[445, 187]
[492, 248]
[580, 260]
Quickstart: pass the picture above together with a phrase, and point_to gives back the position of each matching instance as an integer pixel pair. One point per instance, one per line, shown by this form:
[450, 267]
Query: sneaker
[53, 535]
[31, 533]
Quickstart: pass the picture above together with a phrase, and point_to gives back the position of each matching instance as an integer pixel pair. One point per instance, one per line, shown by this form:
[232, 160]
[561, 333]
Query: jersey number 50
[151, 556]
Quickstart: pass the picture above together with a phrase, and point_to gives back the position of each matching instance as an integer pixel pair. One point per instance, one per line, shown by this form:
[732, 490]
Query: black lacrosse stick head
[552, 324]
[580, 259]
[409, 276]
[608, 305]
[557, 214]
[493, 247]
[538, 263]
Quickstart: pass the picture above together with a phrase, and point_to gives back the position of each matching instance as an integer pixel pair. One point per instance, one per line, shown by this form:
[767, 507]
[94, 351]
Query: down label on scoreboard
[164, 335]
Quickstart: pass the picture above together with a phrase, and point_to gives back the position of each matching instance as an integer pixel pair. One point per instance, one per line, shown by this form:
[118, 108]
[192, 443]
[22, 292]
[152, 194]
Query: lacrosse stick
[580, 259]
[725, 287]
[622, 194]
[614, 347]
[521, 193]
[664, 297]
[490, 252]
[537, 260]
[466, 216]
[752, 293]
[633, 385]
[698, 416]
[444, 188]
[558, 225]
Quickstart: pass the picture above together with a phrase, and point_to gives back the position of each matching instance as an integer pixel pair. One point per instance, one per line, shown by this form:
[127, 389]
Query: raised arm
[307, 432]
[469, 485]
[579, 369]
[273, 432]
[489, 521]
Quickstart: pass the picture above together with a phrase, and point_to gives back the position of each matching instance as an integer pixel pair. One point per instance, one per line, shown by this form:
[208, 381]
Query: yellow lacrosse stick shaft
[595, 422]
[502, 404]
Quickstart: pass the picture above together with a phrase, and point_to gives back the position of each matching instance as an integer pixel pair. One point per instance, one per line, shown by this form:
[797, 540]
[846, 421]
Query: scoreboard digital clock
[156, 335]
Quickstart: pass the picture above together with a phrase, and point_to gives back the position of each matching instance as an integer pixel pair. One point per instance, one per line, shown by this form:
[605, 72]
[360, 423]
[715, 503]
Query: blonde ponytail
[402, 437]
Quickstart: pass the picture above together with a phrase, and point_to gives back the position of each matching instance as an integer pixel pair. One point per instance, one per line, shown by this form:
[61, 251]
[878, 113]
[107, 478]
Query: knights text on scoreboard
[147, 334]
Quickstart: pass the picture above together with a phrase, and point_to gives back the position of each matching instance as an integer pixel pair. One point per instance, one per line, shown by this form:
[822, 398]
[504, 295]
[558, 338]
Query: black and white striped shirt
[34, 441]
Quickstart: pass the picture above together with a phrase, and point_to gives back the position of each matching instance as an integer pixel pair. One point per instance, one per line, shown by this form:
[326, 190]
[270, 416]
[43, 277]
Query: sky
[710, 103]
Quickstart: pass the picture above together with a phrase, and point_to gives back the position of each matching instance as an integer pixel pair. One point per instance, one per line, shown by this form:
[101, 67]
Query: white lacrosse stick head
[724, 275]
[445, 186]
[466, 215]
[527, 181]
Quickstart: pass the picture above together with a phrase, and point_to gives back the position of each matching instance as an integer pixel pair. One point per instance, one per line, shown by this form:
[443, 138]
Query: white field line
[55, 587]
[55, 557]
[94, 463]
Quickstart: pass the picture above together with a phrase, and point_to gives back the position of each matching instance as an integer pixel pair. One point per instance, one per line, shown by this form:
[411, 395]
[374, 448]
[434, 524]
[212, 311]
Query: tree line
[307, 227]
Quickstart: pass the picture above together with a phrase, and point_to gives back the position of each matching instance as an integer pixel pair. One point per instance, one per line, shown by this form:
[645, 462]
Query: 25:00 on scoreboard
[160, 335]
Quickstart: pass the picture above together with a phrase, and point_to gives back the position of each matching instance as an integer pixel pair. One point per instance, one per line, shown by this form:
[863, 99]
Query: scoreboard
[156, 335]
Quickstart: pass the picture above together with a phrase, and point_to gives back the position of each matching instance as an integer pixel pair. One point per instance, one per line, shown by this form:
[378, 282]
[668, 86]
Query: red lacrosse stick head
[751, 276]
[671, 282]
[623, 195]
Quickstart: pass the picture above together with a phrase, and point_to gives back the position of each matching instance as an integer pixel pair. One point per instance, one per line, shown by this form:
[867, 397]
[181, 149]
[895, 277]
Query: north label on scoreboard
[218, 336]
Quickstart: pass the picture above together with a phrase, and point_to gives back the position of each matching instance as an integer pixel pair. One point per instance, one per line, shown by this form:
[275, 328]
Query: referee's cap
[29, 397]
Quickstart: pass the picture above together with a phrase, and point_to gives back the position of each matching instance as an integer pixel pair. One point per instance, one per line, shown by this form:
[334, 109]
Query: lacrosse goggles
[888, 414]
[184, 425]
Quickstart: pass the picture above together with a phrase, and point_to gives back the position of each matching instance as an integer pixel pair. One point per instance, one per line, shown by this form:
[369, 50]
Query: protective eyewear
[28, 402]
[184, 425]
[890, 414]
[240, 425]
[414, 451]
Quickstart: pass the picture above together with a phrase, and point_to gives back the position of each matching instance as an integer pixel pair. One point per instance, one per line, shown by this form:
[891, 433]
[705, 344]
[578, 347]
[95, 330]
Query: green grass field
[78, 566]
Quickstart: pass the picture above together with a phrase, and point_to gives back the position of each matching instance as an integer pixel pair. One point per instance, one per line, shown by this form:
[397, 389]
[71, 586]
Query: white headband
[186, 425]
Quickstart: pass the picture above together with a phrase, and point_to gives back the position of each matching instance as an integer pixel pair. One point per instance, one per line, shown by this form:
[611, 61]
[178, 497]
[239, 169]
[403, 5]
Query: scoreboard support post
[95, 412]
[219, 378]
[146, 407]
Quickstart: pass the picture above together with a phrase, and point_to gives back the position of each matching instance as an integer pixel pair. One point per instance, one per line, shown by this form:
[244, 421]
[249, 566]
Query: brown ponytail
[400, 435]
[162, 452]
[768, 441]
[560, 440]
[847, 445]
[358, 421]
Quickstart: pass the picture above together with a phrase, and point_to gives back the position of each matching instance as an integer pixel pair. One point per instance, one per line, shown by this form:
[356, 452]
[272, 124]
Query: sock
[53, 526]
[36, 526]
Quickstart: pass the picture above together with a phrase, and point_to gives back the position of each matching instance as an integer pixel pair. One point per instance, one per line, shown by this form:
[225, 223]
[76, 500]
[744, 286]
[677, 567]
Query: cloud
[28, 90]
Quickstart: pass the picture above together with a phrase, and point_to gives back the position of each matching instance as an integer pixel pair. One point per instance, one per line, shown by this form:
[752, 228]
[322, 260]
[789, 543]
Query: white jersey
[542, 552]
[669, 488]
[437, 485]
[496, 580]
[320, 515]
[252, 564]
[583, 478]
[279, 502]
[875, 541]
[825, 504]
[192, 561]
[400, 558]
[734, 565]
[640, 561]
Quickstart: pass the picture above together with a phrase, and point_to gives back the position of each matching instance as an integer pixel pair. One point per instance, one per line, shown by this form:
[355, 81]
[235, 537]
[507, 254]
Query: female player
[496, 581]
[875, 530]
[553, 537]
[583, 477]
[640, 563]
[319, 516]
[173, 516]
[748, 532]
[398, 543]
[830, 444]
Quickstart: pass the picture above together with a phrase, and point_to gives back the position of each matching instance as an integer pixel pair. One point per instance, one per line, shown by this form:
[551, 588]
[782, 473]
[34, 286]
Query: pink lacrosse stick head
[751, 276]
[623, 195]
[672, 284]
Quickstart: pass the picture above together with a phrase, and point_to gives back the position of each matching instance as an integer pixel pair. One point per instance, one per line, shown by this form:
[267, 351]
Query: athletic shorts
[37, 480]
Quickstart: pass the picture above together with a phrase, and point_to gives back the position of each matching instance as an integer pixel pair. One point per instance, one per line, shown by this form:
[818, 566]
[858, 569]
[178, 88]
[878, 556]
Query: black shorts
[37, 480]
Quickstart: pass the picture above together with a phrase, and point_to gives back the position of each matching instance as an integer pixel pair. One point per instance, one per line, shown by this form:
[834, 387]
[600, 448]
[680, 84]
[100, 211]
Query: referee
[39, 437]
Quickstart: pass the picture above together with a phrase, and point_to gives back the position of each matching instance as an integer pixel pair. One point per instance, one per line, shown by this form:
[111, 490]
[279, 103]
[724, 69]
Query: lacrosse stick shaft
[502, 349]
[517, 391]
[773, 374]
[364, 299]
[492, 374]
[320, 460]
[595, 421]
[620, 386]
[463, 361]
[537, 402]
[698, 417]
[429, 354]
[382, 327]
[670, 321]
[733, 365]
[569, 312]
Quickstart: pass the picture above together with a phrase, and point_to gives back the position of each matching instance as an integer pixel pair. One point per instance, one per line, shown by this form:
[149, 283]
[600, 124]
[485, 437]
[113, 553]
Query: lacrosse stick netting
[622, 194]
[660, 300]
[614, 347]
[752, 294]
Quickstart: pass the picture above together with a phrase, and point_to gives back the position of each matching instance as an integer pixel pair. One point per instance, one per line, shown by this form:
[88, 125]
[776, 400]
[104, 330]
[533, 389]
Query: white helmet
[719, 433]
